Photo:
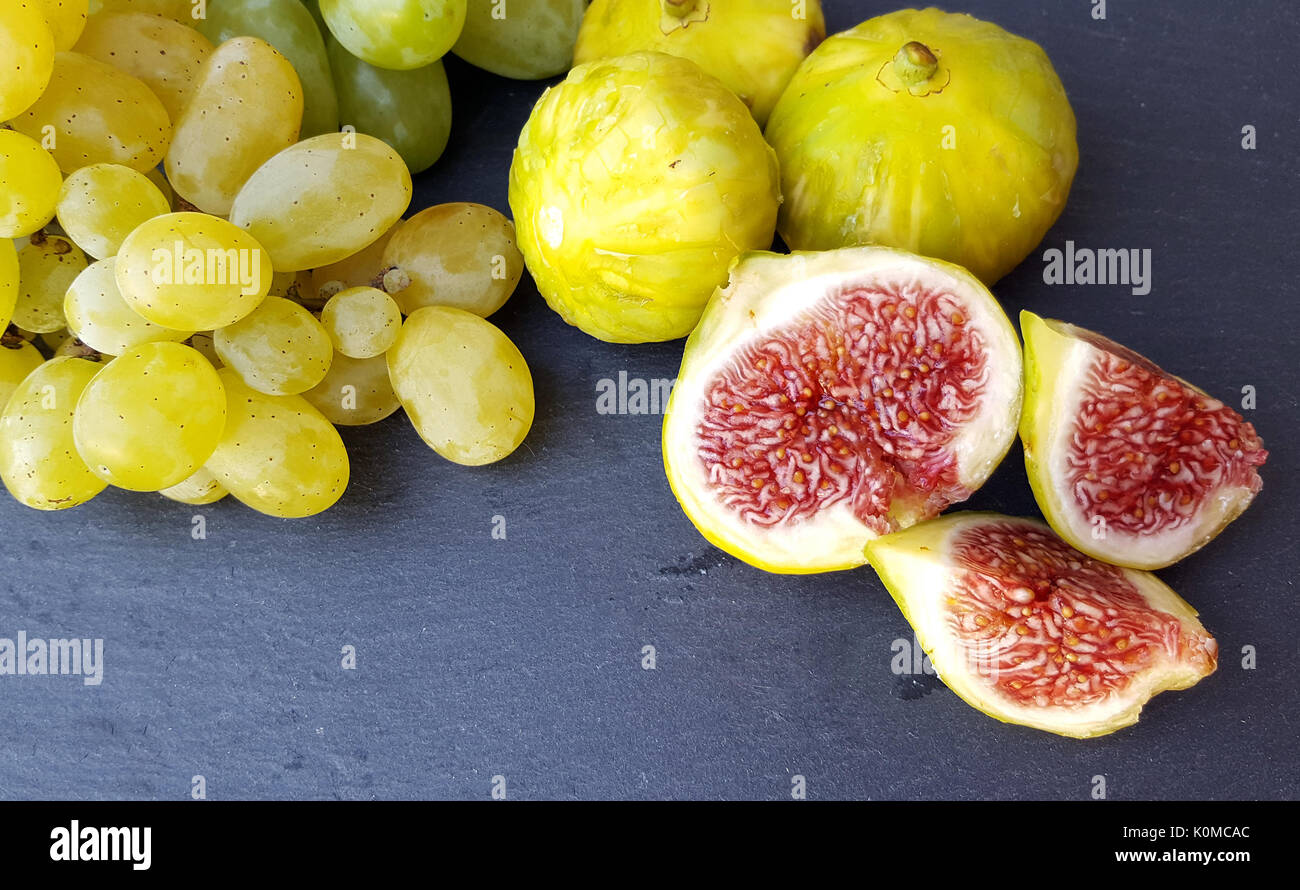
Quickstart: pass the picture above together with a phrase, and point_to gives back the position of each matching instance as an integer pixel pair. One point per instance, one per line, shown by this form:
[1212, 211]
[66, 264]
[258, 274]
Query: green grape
[355, 392]
[98, 316]
[363, 268]
[529, 40]
[401, 34]
[8, 281]
[38, 458]
[159, 179]
[290, 28]
[66, 19]
[177, 10]
[410, 110]
[151, 417]
[27, 48]
[164, 54]
[362, 321]
[313, 6]
[245, 107]
[54, 339]
[18, 358]
[290, 285]
[464, 385]
[101, 204]
[192, 272]
[98, 115]
[199, 489]
[29, 185]
[461, 255]
[47, 266]
[279, 455]
[323, 199]
[279, 348]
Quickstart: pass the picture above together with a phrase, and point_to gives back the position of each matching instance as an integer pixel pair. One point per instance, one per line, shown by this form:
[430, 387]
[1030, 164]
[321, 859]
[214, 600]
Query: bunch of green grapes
[204, 267]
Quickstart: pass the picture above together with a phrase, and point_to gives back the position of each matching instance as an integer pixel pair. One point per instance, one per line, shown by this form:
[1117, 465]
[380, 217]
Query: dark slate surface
[521, 658]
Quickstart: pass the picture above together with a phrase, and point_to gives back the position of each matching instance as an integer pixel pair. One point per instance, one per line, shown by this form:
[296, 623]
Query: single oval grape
[400, 34]
[245, 107]
[410, 110]
[323, 199]
[464, 385]
[192, 272]
[27, 48]
[177, 10]
[355, 392]
[278, 455]
[279, 348]
[39, 462]
[200, 489]
[98, 316]
[29, 185]
[18, 358]
[47, 266]
[461, 255]
[101, 204]
[290, 28]
[164, 54]
[362, 321]
[533, 40]
[99, 115]
[151, 417]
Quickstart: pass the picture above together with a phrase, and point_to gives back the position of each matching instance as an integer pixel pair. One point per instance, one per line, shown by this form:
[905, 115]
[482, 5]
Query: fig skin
[752, 46]
[913, 566]
[636, 182]
[1054, 350]
[936, 133]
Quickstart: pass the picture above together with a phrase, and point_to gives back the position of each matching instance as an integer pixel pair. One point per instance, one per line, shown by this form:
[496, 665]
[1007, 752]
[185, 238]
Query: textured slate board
[521, 658]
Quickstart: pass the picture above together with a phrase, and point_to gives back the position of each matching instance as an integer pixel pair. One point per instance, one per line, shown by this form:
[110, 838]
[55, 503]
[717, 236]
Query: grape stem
[11, 339]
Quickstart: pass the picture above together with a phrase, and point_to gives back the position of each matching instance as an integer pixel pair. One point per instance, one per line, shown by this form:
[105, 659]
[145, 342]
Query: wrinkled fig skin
[635, 183]
[936, 133]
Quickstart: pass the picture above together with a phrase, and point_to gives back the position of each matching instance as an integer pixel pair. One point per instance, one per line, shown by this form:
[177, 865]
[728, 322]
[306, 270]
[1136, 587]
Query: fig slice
[1029, 630]
[828, 398]
[1130, 464]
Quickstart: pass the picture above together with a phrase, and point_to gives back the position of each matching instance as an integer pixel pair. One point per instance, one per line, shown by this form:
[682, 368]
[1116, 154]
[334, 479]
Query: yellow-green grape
[401, 34]
[204, 342]
[355, 392]
[158, 178]
[101, 204]
[151, 417]
[29, 185]
[47, 266]
[98, 316]
[38, 458]
[464, 385]
[245, 107]
[18, 358]
[26, 56]
[523, 39]
[324, 199]
[291, 285]
[365, 267]
[201, 488]
[279, 348]
[98, 115]
[163, 53]
[461, 255]
[362, 321]
[67, 19]
[8, 281]
[279, 455]
[177, 10]
[192, 272]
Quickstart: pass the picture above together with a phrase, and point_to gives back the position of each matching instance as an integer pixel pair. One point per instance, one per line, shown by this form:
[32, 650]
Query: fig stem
[915, 63]
[678, 8]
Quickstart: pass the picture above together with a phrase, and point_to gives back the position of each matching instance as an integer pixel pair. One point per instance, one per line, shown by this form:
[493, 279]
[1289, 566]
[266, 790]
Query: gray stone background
[521, 658]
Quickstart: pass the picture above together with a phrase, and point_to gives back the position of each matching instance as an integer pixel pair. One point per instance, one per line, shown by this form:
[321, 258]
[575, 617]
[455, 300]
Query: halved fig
[827, 398]
[1029, 630]
[1129, 463]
